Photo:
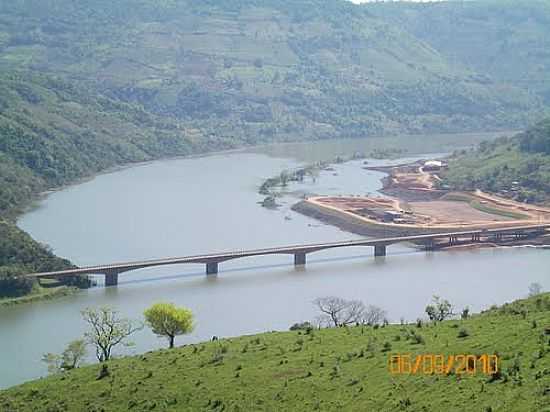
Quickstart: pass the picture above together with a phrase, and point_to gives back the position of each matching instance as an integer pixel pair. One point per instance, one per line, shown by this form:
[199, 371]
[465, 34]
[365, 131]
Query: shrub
[439, 310]
[463, 333]
[418, 338]
[307, 326]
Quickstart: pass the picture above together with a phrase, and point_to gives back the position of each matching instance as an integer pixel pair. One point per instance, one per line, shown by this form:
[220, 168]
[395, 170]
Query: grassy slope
[496, 165]
[296, 371]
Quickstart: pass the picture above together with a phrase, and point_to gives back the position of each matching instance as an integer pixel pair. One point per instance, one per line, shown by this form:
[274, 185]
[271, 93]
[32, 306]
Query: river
[205, 204]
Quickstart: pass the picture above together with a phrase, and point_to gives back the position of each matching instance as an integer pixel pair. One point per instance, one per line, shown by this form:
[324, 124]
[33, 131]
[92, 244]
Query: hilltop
[328, 369]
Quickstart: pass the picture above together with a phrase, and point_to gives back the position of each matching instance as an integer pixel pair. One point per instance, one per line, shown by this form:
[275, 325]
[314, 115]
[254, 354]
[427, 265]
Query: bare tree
[107, 330]
[535, 289]
[339, 312]
[373, 315]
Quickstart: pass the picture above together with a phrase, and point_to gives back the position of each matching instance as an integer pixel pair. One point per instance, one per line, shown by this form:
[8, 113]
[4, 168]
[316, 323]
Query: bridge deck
[293, 249]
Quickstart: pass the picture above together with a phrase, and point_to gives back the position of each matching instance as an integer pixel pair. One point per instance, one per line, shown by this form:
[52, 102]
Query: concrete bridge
[429, 241]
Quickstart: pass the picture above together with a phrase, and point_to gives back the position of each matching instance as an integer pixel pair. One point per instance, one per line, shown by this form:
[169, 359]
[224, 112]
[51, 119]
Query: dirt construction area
[452, 210]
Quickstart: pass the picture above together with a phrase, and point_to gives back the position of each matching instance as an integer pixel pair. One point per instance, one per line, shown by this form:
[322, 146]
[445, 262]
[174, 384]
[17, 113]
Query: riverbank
[414, 203]
[347, 146]
[41, 295]
[328, 369]
[362, 226]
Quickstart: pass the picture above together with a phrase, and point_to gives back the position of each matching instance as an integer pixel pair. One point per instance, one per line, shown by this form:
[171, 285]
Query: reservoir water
[195, 205]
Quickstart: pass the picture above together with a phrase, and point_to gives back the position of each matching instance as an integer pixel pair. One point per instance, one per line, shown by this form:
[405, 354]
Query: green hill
[260, 69]
[344, 369]
[53, 132]
[516, 167]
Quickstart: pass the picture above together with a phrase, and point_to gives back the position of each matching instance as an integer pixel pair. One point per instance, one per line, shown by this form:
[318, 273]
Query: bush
[418, 338]
[307, 326]
[463, 333]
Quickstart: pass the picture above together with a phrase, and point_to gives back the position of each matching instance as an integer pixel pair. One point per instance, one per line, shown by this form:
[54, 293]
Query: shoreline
[30, 205]
[58, 292]
[33, 203]
[355, 225]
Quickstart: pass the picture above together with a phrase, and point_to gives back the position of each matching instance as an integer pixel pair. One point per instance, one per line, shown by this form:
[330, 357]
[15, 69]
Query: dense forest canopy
[89, 84]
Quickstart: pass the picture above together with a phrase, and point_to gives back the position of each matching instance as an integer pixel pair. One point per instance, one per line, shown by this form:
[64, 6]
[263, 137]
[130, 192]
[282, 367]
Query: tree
[535, 289]
[71, 357]
[107, 330]
[439, 310]
[339, 312]
[53, 361]
[373, 315]
[165, 319]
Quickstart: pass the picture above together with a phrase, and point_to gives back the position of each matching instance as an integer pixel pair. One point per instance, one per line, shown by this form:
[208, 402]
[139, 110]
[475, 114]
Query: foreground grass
[331, 369]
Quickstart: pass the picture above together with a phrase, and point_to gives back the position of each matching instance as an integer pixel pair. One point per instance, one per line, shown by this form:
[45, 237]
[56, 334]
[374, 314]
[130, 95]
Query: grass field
[458, 197]
[344, 369]
[496, 211]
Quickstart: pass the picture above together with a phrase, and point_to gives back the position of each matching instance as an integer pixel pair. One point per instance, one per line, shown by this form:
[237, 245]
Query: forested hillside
[517, 167]
[259, 70]
[505, 41]
[90, 84]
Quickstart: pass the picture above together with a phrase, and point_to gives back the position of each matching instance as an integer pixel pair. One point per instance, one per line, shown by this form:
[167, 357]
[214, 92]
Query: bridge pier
[453, 240]
[211, 268]
[299, 259]
[379, 250]
[429, 245]
[111, 279]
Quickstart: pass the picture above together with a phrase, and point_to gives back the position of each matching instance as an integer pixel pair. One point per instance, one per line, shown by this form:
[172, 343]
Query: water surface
[190, 206]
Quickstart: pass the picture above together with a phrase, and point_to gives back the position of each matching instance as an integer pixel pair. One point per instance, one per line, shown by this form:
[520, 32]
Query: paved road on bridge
[111, 271]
